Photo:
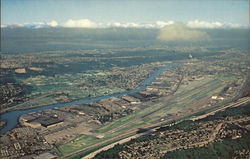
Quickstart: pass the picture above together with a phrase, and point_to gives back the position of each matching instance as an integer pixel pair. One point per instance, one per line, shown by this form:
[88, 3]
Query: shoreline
[12, 117]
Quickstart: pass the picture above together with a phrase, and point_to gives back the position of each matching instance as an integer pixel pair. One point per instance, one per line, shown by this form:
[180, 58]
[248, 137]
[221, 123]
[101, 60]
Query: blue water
[11, 118]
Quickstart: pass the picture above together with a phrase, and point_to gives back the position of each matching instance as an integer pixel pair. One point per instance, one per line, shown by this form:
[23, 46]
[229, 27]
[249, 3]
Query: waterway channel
[11, 118]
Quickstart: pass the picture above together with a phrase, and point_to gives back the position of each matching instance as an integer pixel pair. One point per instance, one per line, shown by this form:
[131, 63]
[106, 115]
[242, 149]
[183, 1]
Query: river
[11, 118]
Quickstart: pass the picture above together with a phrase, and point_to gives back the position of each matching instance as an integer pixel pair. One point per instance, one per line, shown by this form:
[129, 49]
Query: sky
[130, 13]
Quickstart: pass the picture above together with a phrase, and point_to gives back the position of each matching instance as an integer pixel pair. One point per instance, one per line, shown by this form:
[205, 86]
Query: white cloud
[122, 25]
[158, 24]
[131, 25]
[35, 25]
[233, 25]
[3, 26]
[81, 23]
[180, 32]
[149, 25]
[53, 23]
[204, 24]
[86, 23]
[211, 25]
[116, 24]
[12, 25]
[164, 23]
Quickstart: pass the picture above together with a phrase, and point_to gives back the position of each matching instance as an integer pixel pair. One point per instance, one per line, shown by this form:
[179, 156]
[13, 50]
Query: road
[130, 134]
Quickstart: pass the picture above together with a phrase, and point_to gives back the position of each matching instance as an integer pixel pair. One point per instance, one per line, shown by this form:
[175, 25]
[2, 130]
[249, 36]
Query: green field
[77, 143]
[183, 97]
[223, 149]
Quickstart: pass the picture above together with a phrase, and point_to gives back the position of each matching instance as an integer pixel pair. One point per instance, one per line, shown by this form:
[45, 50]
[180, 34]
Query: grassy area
[208, 89]
[223, 149]
[70, 94]
[137, 123]
[82, 154]
[131, 118]
[45, 90]
[37, 102]
[115, 124]
[227, 77]
[83, 140]
[188, 95]
[77, 143]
